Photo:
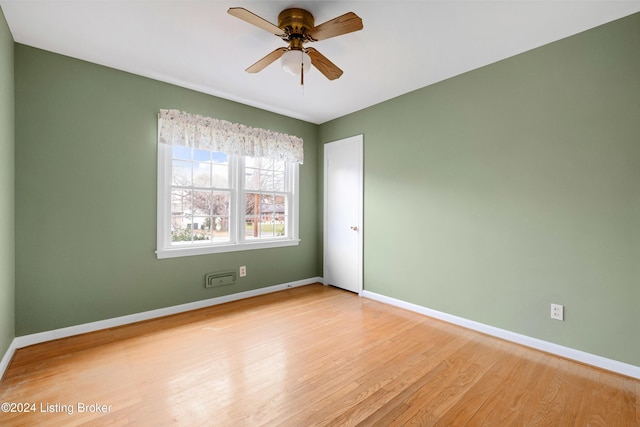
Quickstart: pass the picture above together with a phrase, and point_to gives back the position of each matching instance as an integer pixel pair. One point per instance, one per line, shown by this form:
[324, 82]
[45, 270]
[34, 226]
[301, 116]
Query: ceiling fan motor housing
[295, 22]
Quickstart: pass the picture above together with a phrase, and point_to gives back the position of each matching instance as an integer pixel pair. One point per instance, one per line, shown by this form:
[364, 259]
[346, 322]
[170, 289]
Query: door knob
[354, 227]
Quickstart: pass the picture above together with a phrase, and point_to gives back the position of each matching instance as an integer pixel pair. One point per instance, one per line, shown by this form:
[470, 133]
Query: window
[224, 186]
[210, 201]
[200, 196]
[265, 198]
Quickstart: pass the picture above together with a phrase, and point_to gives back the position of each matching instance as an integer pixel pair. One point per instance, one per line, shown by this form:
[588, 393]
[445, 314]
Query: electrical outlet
[557, 311]
[243, 271]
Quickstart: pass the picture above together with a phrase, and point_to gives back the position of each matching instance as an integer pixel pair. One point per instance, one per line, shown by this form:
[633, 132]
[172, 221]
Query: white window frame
[237, 241]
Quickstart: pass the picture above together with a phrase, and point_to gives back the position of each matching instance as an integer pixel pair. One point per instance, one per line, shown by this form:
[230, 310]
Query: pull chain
[302, 68]
[302, 71]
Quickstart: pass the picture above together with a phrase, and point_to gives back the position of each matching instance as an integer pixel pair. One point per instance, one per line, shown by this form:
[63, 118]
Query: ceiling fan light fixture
[293, 61]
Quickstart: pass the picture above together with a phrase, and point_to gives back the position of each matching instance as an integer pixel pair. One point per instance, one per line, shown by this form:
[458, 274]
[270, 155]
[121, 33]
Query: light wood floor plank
[309, 356]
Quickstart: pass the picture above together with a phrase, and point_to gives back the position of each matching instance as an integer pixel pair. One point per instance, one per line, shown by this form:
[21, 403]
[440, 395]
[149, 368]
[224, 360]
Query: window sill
[214, 249]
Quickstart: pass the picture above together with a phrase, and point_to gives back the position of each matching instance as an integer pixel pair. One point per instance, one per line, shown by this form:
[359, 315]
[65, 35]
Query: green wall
[7, 233]
[495, 193]
[86, 196]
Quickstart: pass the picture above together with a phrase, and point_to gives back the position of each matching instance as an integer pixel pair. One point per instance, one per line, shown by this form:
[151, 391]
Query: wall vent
[219, 278]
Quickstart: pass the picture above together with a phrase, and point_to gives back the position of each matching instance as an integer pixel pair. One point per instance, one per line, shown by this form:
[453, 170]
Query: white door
[343, 184]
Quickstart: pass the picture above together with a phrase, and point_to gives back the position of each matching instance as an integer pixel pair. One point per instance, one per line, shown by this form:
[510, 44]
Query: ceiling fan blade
[326, 67]
[343, 24]
[271, 57]
[252, 18]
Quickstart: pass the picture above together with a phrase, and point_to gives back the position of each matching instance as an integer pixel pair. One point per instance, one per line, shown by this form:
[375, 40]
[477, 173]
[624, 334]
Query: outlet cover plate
[557, 311]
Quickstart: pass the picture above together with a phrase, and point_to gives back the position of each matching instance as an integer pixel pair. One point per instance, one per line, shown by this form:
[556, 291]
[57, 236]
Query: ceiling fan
[296, 26]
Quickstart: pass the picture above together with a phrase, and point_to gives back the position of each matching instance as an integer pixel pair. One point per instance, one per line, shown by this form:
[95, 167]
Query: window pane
[252, 179]
[252, 204]
[201, 168]
[273, 216]
[202, 155]
[264, 174]
[279, 205]
[201, 227]
[266, 229]
[252, 210]
[265, 215]
[220, 204]
[181, 173]
[266, 205]
[279, 181]
[202, 202]
[220, 158]
[180, 229]
[252, 162]
[265, 163]
[278, 165]
[220, 176]
[251, 229]
[266, 180]
[279, 215]
[181, 212]
[202, 174]
[180, 152]
[181, 202]
[220, 228]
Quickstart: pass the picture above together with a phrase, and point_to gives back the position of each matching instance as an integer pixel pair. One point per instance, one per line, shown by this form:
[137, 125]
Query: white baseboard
[6, 359]
[40, 337]
[548, 347]
[567, 352]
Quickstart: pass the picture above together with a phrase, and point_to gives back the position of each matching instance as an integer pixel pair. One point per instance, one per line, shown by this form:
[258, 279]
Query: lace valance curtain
[195, 131]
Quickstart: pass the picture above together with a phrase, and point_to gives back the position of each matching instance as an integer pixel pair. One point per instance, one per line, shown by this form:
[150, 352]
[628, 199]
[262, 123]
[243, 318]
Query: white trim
[548, 347]
[163, 215]
[175, 252]
[6, 359]
[40, 337]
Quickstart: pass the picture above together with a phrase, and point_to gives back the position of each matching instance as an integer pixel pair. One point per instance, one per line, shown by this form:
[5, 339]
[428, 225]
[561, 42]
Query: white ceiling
[405, 45]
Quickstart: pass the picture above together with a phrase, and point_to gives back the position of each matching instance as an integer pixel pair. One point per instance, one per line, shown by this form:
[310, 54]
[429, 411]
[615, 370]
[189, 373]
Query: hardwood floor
[313, 355]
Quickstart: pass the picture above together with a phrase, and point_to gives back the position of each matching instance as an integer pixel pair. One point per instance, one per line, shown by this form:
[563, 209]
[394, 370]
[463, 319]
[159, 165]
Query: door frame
[359, 140]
